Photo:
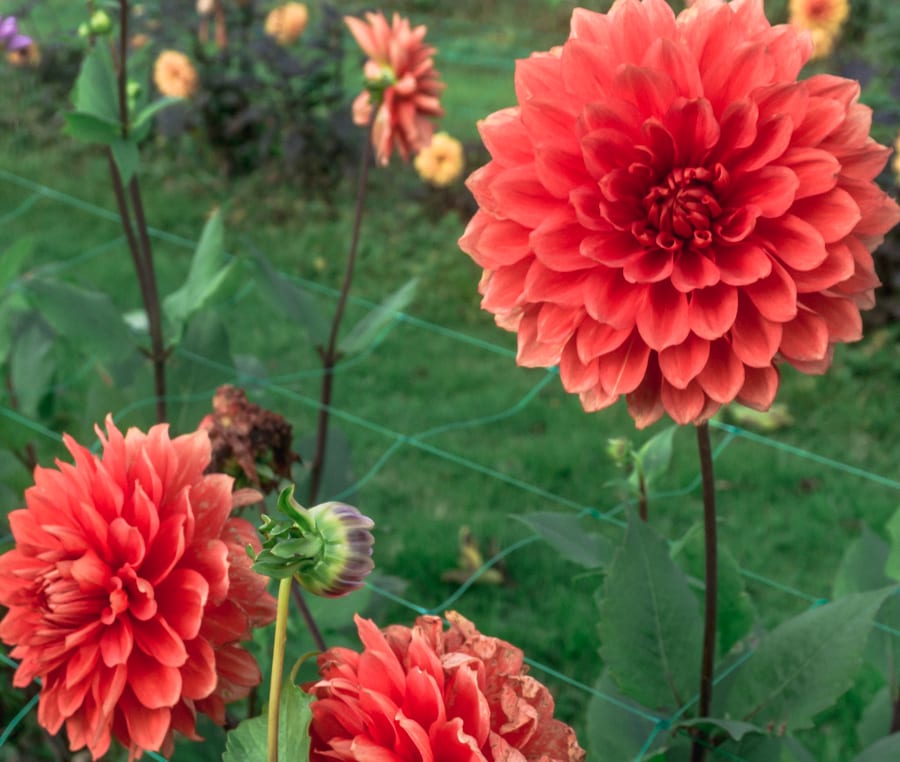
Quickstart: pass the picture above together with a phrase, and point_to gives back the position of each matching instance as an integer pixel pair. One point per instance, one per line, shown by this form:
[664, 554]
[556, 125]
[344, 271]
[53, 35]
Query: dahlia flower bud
[328, 548]
[100, 23]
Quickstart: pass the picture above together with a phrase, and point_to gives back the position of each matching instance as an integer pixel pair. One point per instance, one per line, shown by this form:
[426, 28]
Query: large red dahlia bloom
[129, 591]
[400, 65]
[669, 213]
[421, 694]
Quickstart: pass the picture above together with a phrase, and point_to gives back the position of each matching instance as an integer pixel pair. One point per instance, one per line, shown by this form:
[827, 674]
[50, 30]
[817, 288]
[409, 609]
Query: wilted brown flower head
[245, 436]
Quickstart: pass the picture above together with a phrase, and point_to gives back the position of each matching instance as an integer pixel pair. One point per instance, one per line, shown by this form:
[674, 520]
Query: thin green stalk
[707, 665]
[284, 599]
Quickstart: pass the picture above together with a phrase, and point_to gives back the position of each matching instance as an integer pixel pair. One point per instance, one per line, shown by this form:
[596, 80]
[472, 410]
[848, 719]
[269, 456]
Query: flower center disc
[683, 208]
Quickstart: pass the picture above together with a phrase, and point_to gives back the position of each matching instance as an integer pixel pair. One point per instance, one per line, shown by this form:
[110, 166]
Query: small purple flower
[10, 39]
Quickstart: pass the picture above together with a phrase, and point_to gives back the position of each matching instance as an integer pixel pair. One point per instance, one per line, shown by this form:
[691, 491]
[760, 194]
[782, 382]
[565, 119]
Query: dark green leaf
[736, 612]
[292, 301]
[210, 269]
[92, 129]
[876, 718]
[862, 567]
[248, 742]
[734, 728]
[617, 727]
[86, 318]
[804, 665]
[367, 330]
[127, 157]
[566, 532]
[32, 364]
[96, 89]
[885, 750]
[892, 566]
[141, 124]
[650, 627]
[12, 260]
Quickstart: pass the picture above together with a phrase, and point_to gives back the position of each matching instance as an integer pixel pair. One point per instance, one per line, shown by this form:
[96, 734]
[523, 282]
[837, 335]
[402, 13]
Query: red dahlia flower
[129, 591]
[669, 213]
[426, 695]
[401, 68]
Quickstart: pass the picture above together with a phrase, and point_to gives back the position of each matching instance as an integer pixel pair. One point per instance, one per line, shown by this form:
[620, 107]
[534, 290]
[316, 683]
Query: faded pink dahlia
[401, 69]
[423, 694]
[129, 591]
[669, 214]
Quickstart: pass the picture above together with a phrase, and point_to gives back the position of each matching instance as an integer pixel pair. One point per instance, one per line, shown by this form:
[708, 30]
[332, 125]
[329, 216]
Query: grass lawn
[443, 429]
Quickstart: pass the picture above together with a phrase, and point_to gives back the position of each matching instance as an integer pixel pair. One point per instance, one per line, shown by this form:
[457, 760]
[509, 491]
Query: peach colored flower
[129, 591]
[823, 19]
[175, 75]
[422, 693]
[401, 64]
[441, 161]
[287, 22]
[669, 214]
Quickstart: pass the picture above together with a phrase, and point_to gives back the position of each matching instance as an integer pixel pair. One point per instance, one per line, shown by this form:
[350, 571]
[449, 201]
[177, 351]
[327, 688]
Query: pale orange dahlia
[175, 75]
[669, 214]
[286, 22]
[423, 694]
[400, 65]
[440, 162]
[130, 590]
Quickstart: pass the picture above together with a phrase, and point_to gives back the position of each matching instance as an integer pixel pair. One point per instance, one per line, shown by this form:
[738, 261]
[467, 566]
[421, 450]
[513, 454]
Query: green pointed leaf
[650, 626]
[566, 533]
[367, 330]
[12, 260]
[127, 158]
[141, 124]
[862, 566]
[736, 612]
[209, 272]
[248, 742]
[892, 566]
[292, 301]
[804, 665]
[88, 319]
[32, 364]
[617, 727]
[92, 129]
[876, 718]
[885, 750]
[734, 728]
[96, 89]
[653, 458]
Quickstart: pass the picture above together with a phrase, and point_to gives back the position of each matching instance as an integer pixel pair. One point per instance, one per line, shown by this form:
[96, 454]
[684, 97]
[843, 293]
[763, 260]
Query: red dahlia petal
[684, 405]
[774, 296]
[680, 364]
[833, 214]
[663, 319]
[155, 685]
[712, 311]
[723, 376]
[760, 387]
[754, 339]
[804, 338]
[622, 370]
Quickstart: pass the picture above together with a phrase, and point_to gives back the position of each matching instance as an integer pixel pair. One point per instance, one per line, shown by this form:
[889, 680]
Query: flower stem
[284, 599]
[136, 231]
[329, 353]
[698, 750]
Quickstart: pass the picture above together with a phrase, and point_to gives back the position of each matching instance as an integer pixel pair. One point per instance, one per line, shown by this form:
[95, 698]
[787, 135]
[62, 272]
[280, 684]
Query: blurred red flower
[129, 591]
[401, 68]
[420, 693]
[669, 213]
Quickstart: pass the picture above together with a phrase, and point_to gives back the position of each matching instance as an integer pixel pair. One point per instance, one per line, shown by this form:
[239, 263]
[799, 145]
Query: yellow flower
[441, 162]
[895, 162]
[29, 56]
[175, 75]
[287, 22]
[823, 19]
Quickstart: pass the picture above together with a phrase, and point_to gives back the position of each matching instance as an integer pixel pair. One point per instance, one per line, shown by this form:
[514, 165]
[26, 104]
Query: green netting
[396, 443]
